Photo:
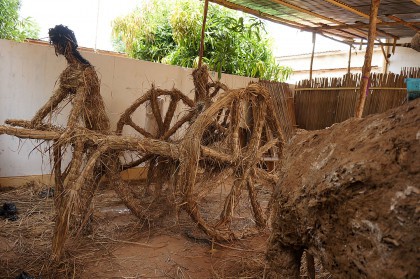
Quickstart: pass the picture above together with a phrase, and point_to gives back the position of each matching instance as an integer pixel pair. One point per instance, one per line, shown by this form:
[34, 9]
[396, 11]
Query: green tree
[12, 27]
[169, 32]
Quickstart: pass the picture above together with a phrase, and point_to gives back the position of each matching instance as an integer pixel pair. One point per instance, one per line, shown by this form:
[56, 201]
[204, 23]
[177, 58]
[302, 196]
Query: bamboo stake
[386, 66]
[349, 62]
[368, 58]
[203, 27]
[312, 55]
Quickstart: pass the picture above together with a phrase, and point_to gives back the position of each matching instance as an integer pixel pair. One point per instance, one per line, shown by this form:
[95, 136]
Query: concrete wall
[403, 57]
[28, 73]
[334, 63]
[330, 63]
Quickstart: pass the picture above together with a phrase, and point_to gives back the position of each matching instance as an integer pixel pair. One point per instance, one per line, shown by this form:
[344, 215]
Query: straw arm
[58, 96]
[29, 133]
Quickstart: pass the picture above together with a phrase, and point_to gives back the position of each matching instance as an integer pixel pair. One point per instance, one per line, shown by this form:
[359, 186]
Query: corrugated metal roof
[346, 19]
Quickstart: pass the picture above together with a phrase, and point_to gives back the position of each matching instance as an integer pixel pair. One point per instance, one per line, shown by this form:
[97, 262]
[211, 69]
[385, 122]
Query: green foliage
[145, 33]
[12, 27]
[170, 31]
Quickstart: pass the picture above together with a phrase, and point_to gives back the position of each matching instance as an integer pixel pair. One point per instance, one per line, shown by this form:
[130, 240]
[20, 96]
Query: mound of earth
[349, 195]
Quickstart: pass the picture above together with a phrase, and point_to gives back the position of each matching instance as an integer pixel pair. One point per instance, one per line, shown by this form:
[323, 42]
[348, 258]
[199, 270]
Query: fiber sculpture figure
[78, 82]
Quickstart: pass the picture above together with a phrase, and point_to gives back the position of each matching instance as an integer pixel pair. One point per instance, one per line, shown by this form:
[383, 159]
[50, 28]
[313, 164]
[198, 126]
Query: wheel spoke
[265, 148]
[142, 131]
[232, 199]
[156, 111]
[215, 154]
[256, 207]
[235, 123]
[170, 113]
[128, 112]
[270, 179]
[178, 124]
[258, 113]
[230, 203]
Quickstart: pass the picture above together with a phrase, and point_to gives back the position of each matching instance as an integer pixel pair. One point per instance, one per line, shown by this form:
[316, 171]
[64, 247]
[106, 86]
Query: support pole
[203, 27]
[349, 62]
[368, 58]
[388, 55]
[394, 45]
[312, 56]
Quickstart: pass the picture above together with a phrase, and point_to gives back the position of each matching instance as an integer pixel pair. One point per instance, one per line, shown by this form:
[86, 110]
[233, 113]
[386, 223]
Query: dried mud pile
[349, 195]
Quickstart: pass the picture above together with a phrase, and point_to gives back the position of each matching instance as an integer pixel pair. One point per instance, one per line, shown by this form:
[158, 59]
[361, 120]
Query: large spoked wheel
[160, 125]
[228, 174]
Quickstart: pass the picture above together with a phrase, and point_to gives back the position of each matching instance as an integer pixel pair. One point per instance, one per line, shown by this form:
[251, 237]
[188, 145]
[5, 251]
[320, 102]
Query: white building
[335, 63]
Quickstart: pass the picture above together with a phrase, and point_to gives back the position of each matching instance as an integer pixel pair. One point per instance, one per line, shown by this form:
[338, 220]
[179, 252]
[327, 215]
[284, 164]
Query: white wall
[28, 73]
[404, 57]
[330, 63]
[334, 63]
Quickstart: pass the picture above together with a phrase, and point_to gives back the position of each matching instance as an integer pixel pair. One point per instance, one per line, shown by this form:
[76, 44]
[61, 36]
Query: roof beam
[349, 8]
[363, 33]
[360, 34]
[362, 14]
[259, 14]
[360, 25]
[275, 19]
[403, 22]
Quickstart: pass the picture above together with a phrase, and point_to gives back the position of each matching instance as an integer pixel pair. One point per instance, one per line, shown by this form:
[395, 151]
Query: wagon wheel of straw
[161, 125]
[225, 175]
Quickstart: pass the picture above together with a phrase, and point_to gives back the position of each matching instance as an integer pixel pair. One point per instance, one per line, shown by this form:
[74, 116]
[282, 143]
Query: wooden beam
[359, 25]
[349, 61]
[348, 8]
[374, 7]
[259, 14]
[403, 22]
[388, 44]
[347, 42]
[384, 53]
[302, 10]
[275, 19]
[388, 49]
[393, 46]
[312, 55]
[358, 12]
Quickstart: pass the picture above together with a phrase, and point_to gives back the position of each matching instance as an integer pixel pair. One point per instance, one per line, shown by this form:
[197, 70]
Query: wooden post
[312, 56]
[394, 45]
[386, 60]
[349, 62]
[368, 58]
[203, 27]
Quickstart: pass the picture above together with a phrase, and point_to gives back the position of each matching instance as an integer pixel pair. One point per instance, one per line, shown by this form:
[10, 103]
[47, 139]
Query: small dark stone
[9, 211]
[24, 275]
[46, 193]
[13, 217]
[9, 208]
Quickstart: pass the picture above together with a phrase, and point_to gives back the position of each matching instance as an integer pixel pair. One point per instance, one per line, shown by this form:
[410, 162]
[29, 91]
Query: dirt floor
[119, 245]
[350, 195]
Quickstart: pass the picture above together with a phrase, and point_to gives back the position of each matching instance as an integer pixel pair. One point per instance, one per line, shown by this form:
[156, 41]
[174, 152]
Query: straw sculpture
[78, 83]
[227, 138]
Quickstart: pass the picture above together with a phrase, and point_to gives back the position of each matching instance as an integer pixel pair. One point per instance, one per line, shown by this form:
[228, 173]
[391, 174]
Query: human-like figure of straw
[79, 82]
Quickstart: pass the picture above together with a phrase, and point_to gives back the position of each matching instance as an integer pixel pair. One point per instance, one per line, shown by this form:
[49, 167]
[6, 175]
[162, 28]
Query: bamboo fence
[324, 101]
[282, 97]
